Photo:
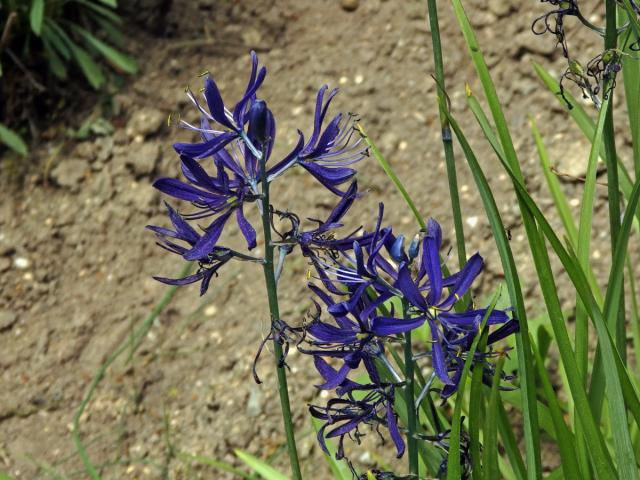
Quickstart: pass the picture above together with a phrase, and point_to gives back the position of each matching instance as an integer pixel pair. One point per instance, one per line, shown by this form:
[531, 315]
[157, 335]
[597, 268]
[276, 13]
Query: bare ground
[76, 262]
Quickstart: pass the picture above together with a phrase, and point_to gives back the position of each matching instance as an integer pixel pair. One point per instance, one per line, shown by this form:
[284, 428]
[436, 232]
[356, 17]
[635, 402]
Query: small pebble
[350, 5]
[21, 263]
[472, 221]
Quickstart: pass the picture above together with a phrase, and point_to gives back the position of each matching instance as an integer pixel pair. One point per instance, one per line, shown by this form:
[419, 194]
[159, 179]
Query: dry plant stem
[272, 294]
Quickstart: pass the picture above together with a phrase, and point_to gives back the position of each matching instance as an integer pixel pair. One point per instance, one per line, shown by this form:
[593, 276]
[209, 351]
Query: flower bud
[257, 131]
[397, 249]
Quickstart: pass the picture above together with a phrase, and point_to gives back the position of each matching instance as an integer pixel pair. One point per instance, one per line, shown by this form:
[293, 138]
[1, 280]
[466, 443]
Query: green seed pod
[576, 67]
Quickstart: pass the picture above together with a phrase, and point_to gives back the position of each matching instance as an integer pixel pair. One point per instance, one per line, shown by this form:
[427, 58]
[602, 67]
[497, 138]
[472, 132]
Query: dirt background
[76, 262]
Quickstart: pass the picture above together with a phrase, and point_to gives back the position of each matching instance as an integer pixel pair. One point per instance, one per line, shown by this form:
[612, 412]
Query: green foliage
[12, 140]
[265, 470]
[65, 34]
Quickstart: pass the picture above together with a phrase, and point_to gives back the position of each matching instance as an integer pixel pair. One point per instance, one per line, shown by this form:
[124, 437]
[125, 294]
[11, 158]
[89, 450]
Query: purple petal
[467, 275]
[288, 161]
[247, 230]
[349, 305]
[344, 204]
[437, 356]
[409, 289]
[183, 191]
[503, 332]
[182, 281]
[473, 317]
[326, 333]
[335, 379]
[205, 245]
[204, 149]
[392, 425]
[194, 172]
[431, 260]
[344, 428]
[329, 177]
[183, 229]
[383, 326]
[239, 111]
[215, 103]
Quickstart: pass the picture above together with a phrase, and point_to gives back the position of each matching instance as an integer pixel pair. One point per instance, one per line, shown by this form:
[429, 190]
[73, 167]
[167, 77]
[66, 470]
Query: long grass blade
[453, 460]
[394, 178]
[619, 386]
[265, 470]
[597, 447]
[490, 468]
[531, 429]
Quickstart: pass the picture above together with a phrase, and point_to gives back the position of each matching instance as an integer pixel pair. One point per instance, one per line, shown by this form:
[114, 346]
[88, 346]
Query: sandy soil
[76, 262]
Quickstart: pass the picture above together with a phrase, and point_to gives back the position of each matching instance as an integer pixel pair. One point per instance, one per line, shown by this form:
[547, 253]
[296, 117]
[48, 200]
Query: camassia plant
[372, 287]
[394, 334]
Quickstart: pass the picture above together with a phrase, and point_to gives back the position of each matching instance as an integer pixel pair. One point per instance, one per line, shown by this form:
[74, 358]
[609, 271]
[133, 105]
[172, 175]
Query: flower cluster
[598, 78]
[357, 285]
[369, 287]
[233, 144]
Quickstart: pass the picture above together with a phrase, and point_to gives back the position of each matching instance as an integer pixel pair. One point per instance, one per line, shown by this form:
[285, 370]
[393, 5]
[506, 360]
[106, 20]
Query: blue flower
[328, 153]
[354, 334]
[234, 121]
[209, 263]
[217, 197]
[451, 332]
[346, 414]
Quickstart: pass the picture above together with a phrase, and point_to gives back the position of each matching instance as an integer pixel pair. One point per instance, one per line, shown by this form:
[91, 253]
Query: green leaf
[89, 67]
[530, 426]
[619, 386]
[265, 470]
[211, 462]
[116, 58]
[565, 438]
[394, 178]
[559, 198]
[594, 438]
[55, 62]
[111, 3]
[36, 15]
[12, 140]
[107, 13]
[453, 460]
[490, 454]
[510, 443]
[339, 468]
[53, 33]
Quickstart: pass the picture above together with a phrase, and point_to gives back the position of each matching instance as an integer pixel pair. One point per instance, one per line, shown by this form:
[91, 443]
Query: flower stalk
[274, 309]
[409, 389]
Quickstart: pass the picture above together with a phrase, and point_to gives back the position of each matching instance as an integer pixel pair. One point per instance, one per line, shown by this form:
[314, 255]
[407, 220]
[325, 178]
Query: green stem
[447, 139]
[274, 309]
[410, 397]
[611, 42]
